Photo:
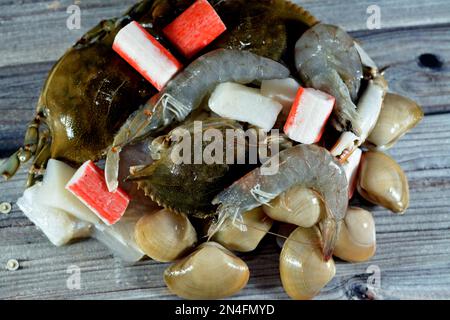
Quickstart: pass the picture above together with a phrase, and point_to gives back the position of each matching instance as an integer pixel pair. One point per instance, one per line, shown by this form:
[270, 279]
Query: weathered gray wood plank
[413, 250]
[400, 50]
[35, 31]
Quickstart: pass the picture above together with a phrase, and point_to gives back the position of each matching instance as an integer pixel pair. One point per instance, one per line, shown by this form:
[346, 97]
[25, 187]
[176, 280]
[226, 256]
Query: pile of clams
[94, 106]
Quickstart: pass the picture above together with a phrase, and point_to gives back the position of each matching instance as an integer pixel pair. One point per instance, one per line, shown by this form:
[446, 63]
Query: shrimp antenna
[383, 70]
[218, 226]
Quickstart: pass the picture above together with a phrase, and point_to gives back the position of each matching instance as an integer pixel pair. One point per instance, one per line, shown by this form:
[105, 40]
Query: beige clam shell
[210, 272]
[382, 181]
[235, 238]
[302, 268]
[357, 236]
[398, 115]
[298, 205]
[165, 235]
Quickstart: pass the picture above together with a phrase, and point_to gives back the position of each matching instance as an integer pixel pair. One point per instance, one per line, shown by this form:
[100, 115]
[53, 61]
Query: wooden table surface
[413, 256]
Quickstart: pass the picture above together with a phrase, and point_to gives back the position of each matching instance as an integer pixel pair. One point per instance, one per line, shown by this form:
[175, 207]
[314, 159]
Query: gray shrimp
[327, 59]
[185, 93]
[306, 165]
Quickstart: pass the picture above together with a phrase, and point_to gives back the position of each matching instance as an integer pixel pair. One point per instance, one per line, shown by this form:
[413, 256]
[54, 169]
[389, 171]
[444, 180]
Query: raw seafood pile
[136, 89]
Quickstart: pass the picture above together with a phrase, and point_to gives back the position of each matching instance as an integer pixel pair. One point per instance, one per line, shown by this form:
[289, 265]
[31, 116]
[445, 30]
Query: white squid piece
[119, 238]
[59, 226]
[282, 90]
[55, 195]
[238, 102]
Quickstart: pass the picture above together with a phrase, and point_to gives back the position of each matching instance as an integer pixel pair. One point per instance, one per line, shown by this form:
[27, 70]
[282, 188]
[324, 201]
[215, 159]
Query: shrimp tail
[329, 228]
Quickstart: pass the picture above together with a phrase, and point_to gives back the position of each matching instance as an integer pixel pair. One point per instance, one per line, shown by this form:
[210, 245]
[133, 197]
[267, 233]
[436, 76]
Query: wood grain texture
[413, 250]
[35, 31]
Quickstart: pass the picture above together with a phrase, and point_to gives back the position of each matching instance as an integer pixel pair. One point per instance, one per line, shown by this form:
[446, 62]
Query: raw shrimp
[306, 165]
[327, 60]
[185, 93]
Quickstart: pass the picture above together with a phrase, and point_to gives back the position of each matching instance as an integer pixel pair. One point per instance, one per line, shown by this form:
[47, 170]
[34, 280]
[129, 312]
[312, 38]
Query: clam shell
[165, 235]
[210, 272]
[357, 236]
[302, 268]
[235, 238]
[298, 205]
[398, 115]
[382, 181]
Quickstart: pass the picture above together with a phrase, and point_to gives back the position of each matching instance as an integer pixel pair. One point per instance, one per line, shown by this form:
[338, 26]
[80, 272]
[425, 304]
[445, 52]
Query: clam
[165, 235]
[357, 237]
[303, 270]
[210, 272]
[382, 181]
[298, 205]
[235, 238]
[399, 115]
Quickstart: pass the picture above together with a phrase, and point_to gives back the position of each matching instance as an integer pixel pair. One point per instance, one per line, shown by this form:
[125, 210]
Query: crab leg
[32, 135]
[369, 109]
[43, 154]
[10, 166]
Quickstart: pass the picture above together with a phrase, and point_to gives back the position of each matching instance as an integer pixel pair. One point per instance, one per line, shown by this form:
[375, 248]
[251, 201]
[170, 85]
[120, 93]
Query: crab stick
[309, 114]
[195, 28]
[238, 102]
[145, 54]
[351, 166]
[89, 186]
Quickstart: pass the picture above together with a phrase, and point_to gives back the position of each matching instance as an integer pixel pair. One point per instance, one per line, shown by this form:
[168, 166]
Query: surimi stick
[195, 28]
[309, 115]
[89, 186]
[145, 54]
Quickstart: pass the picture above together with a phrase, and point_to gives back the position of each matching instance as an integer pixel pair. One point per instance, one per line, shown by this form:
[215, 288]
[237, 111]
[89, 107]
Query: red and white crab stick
[89, 186]
[195, 28]
[145, 54]
[309, 115]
